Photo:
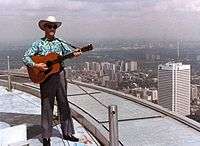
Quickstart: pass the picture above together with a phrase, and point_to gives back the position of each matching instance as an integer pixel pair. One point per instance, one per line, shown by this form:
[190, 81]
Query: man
[55, 85]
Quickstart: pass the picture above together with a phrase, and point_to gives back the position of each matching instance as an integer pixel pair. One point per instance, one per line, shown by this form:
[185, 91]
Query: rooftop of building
[140, 122]
[174, 66]
[18, 108]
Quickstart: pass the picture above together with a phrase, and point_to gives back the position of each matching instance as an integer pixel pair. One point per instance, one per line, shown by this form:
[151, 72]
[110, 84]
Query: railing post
[9, 76]
[113, 125]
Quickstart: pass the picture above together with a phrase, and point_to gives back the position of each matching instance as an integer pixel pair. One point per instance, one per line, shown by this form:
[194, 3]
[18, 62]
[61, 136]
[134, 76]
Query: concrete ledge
[22, 87]
[23, 143]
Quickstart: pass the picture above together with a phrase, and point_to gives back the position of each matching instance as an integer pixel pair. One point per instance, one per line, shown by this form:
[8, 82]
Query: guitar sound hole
[48, 63]
[47, 71]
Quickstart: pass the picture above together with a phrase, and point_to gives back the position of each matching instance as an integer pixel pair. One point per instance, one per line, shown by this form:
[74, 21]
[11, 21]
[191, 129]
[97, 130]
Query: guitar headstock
[87, 48]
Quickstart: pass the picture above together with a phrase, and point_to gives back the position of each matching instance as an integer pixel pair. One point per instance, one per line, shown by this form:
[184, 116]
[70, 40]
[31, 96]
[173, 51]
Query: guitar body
[38, 76]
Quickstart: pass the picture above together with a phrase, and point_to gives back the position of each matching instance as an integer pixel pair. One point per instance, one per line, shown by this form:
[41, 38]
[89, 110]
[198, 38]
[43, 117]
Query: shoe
[70, 138]
[46, 142]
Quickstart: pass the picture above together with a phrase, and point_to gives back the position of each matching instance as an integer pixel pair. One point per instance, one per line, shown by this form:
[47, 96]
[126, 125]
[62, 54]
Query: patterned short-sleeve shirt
[43, 47]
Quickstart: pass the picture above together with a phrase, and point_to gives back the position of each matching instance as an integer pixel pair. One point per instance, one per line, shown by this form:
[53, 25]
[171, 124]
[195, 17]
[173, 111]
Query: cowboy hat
[50, 19]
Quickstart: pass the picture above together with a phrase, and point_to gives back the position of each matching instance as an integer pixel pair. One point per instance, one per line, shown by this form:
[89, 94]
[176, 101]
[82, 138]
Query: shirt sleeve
[29, 53]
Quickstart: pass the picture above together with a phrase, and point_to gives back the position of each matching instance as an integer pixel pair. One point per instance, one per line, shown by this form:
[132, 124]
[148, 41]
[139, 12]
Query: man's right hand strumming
[41, 66]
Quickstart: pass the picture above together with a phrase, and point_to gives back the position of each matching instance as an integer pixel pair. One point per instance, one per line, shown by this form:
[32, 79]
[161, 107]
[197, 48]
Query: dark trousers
[55, 86]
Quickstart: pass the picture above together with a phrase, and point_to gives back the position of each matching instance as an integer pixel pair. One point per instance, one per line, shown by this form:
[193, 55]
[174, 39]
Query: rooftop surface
[140, 123]
[18, 107]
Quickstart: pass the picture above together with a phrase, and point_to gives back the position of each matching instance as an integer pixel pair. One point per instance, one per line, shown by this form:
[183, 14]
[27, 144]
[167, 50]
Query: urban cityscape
[134, 68]
[169, 79]
[147, 80]
[100, 73]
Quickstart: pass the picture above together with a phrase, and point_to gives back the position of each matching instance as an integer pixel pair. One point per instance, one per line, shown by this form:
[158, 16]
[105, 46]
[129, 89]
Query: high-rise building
[122, 66]
[131, 66]
[105, 65]
[113, 67]
[96, 66]
[105, 79]
[174, 87]
[126, 66]
[194, 91]
[87, 66]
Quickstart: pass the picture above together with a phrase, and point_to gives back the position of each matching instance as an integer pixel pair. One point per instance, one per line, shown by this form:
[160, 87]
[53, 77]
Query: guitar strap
[61, 41]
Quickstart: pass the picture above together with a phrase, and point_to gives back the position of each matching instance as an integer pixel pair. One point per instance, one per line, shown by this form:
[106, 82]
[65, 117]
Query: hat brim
[43, 22]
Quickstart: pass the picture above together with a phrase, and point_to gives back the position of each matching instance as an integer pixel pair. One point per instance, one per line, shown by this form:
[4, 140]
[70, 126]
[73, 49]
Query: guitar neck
[71, 55]
[62, 58]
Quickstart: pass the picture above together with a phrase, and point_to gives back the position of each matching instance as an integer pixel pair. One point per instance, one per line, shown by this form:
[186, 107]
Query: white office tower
[174, 87]
[131, 66]
[87, 66]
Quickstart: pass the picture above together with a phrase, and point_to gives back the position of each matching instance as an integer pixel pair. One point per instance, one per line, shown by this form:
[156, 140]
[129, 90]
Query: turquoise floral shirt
[43, 47]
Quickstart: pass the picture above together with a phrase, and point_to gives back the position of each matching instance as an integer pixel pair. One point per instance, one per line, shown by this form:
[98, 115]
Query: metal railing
[113, 125]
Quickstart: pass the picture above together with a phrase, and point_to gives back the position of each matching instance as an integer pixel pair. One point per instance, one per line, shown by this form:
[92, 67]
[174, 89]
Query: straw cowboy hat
[50, 19]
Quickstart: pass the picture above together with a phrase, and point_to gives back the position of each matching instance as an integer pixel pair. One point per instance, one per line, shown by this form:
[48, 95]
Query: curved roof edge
[191, 123]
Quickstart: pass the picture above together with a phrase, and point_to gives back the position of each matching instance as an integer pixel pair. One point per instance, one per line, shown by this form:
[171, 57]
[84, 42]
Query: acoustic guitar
[53, 62]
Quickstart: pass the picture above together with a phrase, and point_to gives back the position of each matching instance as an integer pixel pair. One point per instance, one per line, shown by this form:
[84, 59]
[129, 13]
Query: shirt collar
[46, 40]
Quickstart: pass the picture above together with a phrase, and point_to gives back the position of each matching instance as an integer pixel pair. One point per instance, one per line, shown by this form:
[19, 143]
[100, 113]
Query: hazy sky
[150, 19]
